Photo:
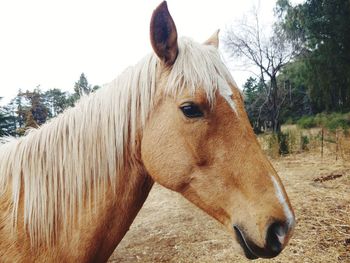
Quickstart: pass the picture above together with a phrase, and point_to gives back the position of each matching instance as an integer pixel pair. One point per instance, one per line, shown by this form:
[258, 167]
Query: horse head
[198, 141]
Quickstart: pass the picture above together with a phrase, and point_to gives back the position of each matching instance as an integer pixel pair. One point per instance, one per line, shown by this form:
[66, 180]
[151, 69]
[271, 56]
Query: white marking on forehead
[279, 193]
[226, 92]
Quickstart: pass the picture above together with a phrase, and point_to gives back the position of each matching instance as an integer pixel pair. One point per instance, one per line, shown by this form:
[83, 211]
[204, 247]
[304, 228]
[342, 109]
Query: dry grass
[170, 229]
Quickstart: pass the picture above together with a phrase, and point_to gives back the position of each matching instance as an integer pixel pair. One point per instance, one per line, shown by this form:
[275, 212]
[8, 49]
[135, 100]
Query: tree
[298, 102]
[55, 101]
[7, 124]
[3, 123]
[253, 91]
[33, 108]
[81, 88]
[320, 28]
[30, 110]
[17, 104]
[37, 113]
[95, 87]
[268, 55]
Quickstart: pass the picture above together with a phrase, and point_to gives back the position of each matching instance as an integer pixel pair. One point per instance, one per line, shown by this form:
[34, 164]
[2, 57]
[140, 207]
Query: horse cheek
[163, 159]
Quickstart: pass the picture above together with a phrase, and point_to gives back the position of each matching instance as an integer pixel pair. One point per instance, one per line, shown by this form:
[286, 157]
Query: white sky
[50, 43]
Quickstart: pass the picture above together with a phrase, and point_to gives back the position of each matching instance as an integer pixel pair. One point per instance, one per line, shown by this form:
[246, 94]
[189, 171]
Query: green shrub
[273, 146]
[331, 121]
[337, 121]
[306, 122]
[292, 140]
[304, 142]
[289, 121]
[283, 142]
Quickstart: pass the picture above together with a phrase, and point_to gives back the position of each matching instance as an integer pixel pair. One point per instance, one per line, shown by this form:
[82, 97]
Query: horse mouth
[242, 241]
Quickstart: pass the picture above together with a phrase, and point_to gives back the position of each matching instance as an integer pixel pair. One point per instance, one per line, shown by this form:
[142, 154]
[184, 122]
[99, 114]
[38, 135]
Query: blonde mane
[57, 169]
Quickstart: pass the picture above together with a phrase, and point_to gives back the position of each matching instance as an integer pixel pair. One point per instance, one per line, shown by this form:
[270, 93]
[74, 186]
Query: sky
[50, 43]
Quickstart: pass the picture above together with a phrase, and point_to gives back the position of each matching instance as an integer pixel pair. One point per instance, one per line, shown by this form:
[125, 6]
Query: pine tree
[320, 28]
[56, 101]
[7, 122]
[82, 86]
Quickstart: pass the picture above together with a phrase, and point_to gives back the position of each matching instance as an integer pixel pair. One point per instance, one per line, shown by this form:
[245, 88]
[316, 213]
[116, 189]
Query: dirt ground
[170, 229]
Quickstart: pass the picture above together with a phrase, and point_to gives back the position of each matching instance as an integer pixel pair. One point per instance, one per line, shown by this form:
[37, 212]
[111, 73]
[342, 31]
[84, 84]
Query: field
[170, 229]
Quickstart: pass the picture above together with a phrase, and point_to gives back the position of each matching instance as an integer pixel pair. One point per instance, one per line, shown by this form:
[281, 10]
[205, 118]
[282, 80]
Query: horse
[70, 189]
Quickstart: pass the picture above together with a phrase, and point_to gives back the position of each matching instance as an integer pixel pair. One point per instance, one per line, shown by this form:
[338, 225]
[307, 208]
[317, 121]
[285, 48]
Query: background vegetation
[304, 70]
[302, 65]
[311, 42]
[30, 109]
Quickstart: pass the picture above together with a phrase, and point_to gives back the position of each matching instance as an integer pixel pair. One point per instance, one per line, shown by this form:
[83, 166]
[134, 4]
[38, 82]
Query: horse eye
[191, 111]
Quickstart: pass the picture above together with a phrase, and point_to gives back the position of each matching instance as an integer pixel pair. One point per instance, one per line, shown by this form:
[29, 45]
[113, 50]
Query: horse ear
[164, 35]
[213, 40]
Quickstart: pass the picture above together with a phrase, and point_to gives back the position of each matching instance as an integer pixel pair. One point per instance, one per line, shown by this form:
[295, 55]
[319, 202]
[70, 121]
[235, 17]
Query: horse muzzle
[275, 241]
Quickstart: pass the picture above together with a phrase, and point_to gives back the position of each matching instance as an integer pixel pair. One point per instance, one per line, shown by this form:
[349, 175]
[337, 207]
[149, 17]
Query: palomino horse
[70, 190]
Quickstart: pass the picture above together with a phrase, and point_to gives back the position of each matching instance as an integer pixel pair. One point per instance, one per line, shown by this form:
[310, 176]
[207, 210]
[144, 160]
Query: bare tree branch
[268, 55]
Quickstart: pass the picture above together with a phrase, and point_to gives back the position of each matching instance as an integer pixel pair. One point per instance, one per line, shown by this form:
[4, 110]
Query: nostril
[275, 237]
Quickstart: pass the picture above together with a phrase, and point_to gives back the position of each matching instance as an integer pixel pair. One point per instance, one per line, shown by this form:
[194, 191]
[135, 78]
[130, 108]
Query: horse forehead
[199, 96]
[226, 91]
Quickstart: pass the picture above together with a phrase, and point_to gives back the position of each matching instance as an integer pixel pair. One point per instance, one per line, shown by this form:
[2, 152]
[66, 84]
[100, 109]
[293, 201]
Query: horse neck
[54, 146]
[117, 205]
[97, 233]
[117, 214]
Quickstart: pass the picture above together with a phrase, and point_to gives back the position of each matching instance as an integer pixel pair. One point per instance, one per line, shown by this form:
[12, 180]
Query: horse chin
[244, 244]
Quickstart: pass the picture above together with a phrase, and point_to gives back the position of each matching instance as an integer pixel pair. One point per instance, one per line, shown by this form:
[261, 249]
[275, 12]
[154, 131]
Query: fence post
[336, 145]
[322, 135]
